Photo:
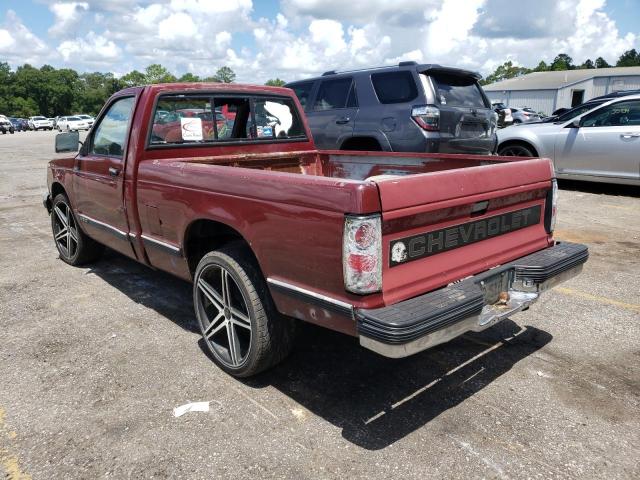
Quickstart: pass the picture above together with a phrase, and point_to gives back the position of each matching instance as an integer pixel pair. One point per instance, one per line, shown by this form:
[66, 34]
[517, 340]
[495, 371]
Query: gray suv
[403, 108]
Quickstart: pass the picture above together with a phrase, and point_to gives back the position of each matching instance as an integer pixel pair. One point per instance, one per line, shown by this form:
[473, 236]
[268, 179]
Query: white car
[88, 118]
[40, 123]
[74, 123]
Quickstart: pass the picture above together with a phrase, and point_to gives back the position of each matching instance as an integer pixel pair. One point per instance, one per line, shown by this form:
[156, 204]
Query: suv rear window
[394, 87]
[456, 91]
[333, 94]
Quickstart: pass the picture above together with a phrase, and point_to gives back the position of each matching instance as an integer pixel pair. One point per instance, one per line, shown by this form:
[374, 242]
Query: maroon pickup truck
[403, 250]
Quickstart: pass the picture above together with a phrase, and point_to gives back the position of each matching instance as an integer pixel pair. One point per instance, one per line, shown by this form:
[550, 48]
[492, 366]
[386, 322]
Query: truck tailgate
[440, 227]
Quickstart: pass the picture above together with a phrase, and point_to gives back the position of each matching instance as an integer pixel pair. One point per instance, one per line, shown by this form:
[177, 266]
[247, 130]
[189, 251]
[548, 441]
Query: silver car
[600, 145]
[524, 115]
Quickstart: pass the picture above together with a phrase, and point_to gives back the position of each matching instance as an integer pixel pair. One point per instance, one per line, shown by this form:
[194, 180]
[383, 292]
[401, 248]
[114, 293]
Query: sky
[293, 39]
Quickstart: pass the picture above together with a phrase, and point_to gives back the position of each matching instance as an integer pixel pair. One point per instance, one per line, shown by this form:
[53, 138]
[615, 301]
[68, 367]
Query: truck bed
[358, 166]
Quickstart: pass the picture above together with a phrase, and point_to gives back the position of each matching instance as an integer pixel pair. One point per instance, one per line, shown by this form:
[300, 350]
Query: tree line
[630, 58]
[47, 91]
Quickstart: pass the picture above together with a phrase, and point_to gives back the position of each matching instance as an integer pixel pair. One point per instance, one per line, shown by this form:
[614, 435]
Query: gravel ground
[93, 360]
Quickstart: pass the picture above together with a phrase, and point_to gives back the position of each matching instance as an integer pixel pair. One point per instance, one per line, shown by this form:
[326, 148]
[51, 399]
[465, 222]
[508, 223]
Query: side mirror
[67, 142]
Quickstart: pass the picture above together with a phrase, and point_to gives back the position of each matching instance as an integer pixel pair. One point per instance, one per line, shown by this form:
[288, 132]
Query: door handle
[343, 120]
[629, 135]
[114, 172]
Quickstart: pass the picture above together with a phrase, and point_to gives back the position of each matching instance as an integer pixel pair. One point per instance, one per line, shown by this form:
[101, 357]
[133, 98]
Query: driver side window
[110, 135]
[615, 115]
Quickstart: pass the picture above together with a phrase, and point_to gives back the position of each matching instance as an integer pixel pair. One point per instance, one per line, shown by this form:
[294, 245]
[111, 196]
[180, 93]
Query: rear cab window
[457, 91]
[394, 87]
[207, 119]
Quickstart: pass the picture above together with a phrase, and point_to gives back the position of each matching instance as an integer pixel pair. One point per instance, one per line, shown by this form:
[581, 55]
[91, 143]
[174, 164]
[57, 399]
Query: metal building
[548, 91]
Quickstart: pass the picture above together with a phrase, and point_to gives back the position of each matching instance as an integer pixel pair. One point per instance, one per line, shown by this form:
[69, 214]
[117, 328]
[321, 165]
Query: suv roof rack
[401, 64]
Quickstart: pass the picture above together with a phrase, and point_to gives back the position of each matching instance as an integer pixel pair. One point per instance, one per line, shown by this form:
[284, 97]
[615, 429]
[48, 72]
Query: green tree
[542, 67]
[505, 71]
[133, 79]
[275, 82]
[588, 64]
[189, 77]
[630, 58]
[156, 73]
[225, 75]
[601, 63]
[562, 62]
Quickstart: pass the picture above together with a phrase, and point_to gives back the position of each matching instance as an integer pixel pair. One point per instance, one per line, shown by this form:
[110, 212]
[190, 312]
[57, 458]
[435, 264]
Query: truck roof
[222, 87]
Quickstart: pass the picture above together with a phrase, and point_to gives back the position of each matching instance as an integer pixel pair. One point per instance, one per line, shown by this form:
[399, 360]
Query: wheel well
[361, 143]
[56, 188]
[203, 236]
[519, 142]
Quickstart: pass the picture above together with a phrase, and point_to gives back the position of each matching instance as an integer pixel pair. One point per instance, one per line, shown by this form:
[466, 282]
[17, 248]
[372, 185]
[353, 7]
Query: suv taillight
[427, 117]
[362, 254]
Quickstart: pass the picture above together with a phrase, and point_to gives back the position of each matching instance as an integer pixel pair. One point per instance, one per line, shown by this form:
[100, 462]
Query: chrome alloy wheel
[224, 316]
[65, 230]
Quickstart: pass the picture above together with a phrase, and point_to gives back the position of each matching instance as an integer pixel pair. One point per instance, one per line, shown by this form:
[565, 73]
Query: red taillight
[427, 117]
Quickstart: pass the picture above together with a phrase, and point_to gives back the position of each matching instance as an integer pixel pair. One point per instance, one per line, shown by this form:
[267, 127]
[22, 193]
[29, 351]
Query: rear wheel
[516, 150]
[239, 323]
[74, 247]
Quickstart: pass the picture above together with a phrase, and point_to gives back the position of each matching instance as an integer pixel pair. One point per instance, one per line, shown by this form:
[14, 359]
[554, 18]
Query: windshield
[73, 119]
[579, 110]
[39, 118]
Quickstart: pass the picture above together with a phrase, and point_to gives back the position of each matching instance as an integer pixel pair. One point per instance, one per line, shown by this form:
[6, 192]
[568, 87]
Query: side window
[111, 133]
[277, 118]
[302, 91]
[394, 87]
[333, 94]
[615, 115]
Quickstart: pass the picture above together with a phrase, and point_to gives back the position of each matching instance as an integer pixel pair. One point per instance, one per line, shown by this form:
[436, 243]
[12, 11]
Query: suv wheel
[239, 323]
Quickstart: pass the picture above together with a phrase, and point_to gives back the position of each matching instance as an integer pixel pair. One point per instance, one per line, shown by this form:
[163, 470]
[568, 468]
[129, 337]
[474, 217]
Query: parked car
[6, 125]
[72, 123]
[524, 115]
[17, 124]
[403, 251]
[601, 144]
[404, 108]
[568, 114]
[505, 118]
[40, 123]
[87, 118]
[616, 94]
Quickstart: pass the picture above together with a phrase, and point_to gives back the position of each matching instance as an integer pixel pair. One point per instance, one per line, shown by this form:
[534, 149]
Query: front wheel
[239, 323]
[516, 150]
[74, 247]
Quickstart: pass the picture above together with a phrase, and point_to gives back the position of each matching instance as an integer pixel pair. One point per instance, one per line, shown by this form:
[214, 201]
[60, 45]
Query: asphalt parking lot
[93, 360]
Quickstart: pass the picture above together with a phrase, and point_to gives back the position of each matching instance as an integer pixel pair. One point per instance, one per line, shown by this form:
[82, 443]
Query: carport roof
[559, 79]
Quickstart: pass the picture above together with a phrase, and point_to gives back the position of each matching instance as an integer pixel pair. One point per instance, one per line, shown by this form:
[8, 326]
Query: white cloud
[308, 37]
[93, 50]
[67, 16]
[18, 44]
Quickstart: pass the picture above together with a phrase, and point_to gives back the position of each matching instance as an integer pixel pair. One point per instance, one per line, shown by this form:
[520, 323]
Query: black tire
[86, 249]
[271, 335]
[516, 150]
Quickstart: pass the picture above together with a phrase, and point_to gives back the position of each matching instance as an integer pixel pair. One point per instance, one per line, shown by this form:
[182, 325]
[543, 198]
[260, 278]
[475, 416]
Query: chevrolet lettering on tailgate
[425, 244]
